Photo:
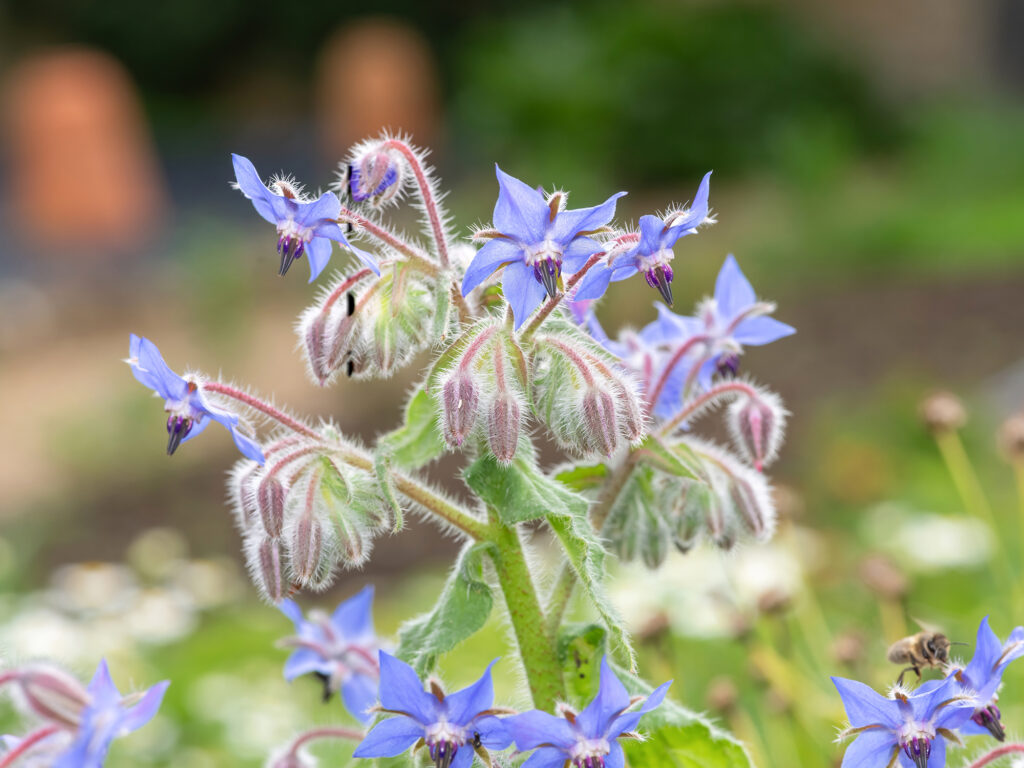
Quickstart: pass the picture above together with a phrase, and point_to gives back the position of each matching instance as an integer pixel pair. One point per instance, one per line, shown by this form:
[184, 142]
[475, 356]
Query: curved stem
[27, 743]
[553, 302]
[699, 402]
[344, 288]
[680, 353]
[388, 237]
[263, 407]
[427, 195]
[995, 754]
[327, 732]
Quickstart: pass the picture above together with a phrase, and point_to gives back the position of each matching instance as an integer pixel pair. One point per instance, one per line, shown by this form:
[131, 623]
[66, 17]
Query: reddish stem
[27, 743]
[696, 404]
[427, 195]
[995, 754]
[680, 353]
[344, 288]
[386, 236]
[263, 407]
[322, 733]
[574, 357]
[474, 347]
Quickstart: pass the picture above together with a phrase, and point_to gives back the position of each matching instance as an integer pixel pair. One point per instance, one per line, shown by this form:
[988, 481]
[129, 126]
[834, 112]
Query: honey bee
[925, 650]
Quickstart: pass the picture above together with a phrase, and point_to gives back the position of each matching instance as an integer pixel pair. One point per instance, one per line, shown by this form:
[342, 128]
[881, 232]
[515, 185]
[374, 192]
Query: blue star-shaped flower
[107, 717]
[589, 739]
[189, 413]
[536, 243]
[653, 254]
[914, 727]
[449, 725]
[304, 227]
[731, 320]
[983, 676]
[341, 649]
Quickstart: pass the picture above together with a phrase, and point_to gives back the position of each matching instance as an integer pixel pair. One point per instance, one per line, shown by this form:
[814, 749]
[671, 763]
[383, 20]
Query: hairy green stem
[536, 649]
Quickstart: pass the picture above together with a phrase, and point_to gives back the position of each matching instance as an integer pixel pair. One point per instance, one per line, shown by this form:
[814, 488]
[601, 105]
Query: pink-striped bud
[306, 547]
[242, 485]
[599, 421]
[503, 427]
[270, 500]
[460, 402]
[317, 347]
[51, 694]
[753, 507]
[757, 424]
[268, 568]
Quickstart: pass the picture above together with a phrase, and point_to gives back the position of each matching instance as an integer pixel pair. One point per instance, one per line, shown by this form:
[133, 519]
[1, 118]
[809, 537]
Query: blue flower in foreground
[589, 739]
[189, 413]
[449, 725]
[303, 226]
[726, 323]
[983, 676]
[108, 716]
[341, 649]
[913, 726]
[652, 255]
[534, 242]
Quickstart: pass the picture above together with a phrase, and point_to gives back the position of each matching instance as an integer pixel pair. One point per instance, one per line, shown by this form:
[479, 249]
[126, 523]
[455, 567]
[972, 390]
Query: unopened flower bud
[306, 548]
[51, 694]
[270, 499]
[599, 421]
[631, 415]
[943, 412]
[1011, 439]
[752, 501]
[460, 400]
[242, 486]
[268, 568]
[757, 424]
[374, 176]
[503, 427]
[317, 348]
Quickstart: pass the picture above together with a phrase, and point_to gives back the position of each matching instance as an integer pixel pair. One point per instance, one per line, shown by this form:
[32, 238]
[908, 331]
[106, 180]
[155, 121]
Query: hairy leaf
[519, 491]
[582, 478]
[418, 441]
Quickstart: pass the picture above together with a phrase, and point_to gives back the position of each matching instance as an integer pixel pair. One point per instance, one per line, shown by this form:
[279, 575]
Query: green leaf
[519, 491]
[462, 608]
[675, 459]
[580, 648]
[418, 441]
[582, 478]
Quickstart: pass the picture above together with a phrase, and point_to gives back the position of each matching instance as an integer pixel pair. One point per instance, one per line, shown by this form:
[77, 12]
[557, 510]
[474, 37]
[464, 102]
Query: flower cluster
[78, 722]
[914, 726]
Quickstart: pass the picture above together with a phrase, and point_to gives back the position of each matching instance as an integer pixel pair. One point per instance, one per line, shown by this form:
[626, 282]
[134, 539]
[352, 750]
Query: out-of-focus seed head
[757, 424]
[722, 695]
[883, 577]
[270, 500]
[943, 412]
[503, 427]
[848, 647]
[50, 693]
[242, 484]
[1011, 439]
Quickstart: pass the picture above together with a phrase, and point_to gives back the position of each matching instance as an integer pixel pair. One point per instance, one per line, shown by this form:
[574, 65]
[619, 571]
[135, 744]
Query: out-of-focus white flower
[93, 588]
[161, 616]
[210, 583]
[925, 541]
[157, 553]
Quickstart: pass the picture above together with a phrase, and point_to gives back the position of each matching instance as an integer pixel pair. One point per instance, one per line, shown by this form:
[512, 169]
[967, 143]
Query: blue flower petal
[463, 757]
[615, 758]
[353, 618]
[402, 691]
[304, 661]
[249, 447]
[359, 693]
[696, 215]
[145, 710]
[670, 328]
[864, 705]
[534, 728]
[327, 206]
[494, 253]
[494, 734]
[522, 291]
[198, 427]
[546, 757]
[390, 738]
[253, 188]
[101, 688]
[318, 252]
[594, 283]
[611, 699]
[149, 368]
[870, 748]
[759, 330]
[651, 231]
[521, 212]
[291, 609]
[630, 720]
[733, 292]
[568, 224]
[462, 706]
[987, 650]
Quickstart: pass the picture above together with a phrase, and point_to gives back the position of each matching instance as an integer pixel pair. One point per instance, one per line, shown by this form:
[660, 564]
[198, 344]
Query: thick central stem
[536, 648]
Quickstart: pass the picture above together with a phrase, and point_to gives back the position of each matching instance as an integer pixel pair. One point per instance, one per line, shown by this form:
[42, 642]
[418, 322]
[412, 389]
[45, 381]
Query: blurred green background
[869, 176]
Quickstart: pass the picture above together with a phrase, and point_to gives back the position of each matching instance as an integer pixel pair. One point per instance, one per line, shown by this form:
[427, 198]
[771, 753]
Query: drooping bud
[51, 694]
[943, 412]
[242, 487]
[266, 566]
[599, 420]
[374, 174]
[270, 495]
[305, 550]
[503, 427]
[757, 424]
[460, 401]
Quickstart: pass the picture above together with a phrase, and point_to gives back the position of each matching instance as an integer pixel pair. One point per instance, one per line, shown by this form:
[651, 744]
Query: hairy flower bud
[265, 563]
[460, 401]
[757, 424]
[305, 550]
[373, 174]
[503, 427]
[242, 485]
[51, 694]
[270, 495]
[599, 421]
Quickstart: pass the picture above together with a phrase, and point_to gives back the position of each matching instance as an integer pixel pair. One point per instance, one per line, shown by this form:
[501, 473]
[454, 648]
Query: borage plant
[516, 355]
